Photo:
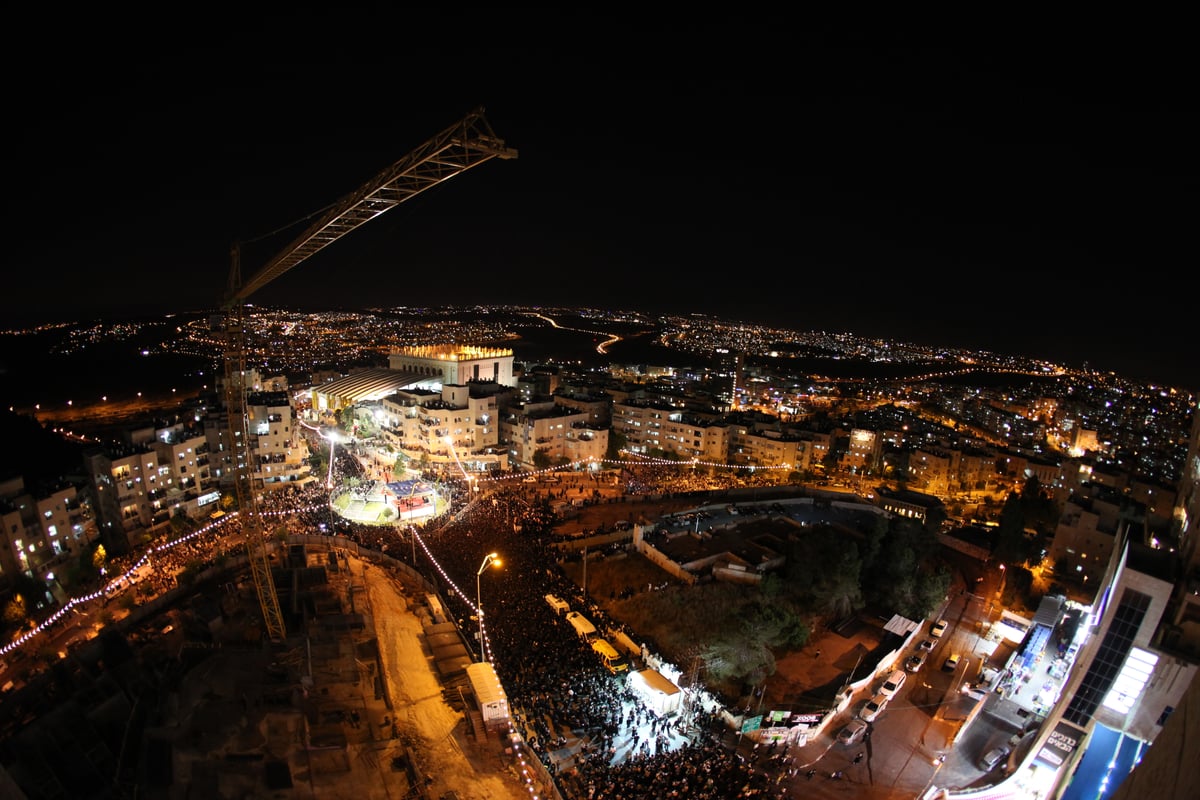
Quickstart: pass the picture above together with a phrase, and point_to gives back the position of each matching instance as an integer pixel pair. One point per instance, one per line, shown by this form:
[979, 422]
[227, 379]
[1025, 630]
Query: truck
[623, 642]
[489, 695]
[582, 625]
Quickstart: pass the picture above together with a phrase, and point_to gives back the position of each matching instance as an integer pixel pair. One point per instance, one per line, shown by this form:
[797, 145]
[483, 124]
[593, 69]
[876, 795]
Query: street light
[489, 560]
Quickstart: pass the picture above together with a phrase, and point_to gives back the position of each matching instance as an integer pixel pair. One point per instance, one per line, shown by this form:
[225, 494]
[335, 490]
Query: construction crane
[465, 144]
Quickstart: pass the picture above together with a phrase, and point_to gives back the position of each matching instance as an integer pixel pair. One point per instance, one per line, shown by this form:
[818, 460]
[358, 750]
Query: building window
[1110, 657]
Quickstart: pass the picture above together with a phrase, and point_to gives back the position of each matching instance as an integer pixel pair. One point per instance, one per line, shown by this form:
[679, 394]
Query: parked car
[853, 732]
[938, 628]
[873, 708]
[993, 757]
[951, 662]
[917, 660]
[928, 644]
[893, 683]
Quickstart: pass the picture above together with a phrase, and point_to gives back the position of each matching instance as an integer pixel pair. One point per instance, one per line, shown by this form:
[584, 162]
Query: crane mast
[465, 144]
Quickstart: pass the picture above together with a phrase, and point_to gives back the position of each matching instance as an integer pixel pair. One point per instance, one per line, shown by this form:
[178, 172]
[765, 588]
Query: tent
[660, 694]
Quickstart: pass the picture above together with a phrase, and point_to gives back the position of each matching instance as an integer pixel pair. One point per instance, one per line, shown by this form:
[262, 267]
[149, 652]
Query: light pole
[489, 560]
[1003, 577]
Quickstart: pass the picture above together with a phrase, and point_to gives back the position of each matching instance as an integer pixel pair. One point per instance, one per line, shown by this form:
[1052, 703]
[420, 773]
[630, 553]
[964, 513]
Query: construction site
[182, 700]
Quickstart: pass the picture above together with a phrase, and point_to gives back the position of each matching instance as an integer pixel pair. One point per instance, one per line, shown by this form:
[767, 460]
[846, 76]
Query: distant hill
[43, 458]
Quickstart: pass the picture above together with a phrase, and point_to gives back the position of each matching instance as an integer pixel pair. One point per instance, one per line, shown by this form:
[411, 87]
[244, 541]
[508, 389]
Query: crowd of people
[592, 731]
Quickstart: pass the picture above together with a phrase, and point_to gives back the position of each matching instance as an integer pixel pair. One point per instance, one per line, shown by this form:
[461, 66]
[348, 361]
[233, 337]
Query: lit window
[1134, 676]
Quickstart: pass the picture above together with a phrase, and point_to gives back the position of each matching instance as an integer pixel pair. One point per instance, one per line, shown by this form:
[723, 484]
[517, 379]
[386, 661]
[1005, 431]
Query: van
[582, 625]
[609, 655]
[993, 757]
[557, 604]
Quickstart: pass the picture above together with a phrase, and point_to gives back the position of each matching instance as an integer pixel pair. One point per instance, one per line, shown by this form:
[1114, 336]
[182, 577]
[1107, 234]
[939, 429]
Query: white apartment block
[770, 449]
[649, 426]
[423, 424]
[37, 531]
[932, 471]
[1084, 540]
[280, 454]
[562, 434]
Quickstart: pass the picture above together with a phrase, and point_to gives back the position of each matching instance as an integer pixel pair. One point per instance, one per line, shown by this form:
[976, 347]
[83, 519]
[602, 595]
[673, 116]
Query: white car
[893, 683]
[853, 732]
[873, 708]
[938, 628]
[993, 757]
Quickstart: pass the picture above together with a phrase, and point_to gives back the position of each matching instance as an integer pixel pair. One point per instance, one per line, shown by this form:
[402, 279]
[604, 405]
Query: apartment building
[137, 486]
[39, 529]
[439, 426]
[934, 470]
[652, 425]
[1126, 681]
[560, 433]
[279, 451]
[1087, 533]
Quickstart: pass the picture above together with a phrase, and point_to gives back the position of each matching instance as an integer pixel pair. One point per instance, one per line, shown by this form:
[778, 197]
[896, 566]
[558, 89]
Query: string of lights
[119, 581]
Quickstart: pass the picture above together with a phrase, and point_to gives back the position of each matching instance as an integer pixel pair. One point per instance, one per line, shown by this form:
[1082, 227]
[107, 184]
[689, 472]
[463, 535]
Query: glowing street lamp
[491, 559]
[333, 440]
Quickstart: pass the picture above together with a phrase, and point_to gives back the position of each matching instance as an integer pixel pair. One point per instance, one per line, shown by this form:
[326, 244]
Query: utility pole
[850, 677]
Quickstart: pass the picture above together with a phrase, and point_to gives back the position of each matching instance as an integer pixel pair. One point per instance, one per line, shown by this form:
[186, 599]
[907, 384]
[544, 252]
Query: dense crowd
[598, 737]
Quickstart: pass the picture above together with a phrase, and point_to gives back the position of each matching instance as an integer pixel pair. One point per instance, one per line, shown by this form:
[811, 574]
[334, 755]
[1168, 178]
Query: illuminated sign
[205, 499]
[806, 719]
[1061, 744]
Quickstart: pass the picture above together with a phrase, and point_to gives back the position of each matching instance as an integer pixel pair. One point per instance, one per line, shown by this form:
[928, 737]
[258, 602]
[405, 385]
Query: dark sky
[1010, 187]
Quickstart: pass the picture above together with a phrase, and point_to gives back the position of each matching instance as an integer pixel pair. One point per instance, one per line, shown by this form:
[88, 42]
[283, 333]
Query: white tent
[660, 694]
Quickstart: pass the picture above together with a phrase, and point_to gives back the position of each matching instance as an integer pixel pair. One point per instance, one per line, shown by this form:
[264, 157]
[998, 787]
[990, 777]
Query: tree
[31, 590]
[16, 611]
[1040, 510]
[84, 572]
[616, 443]
[99, 557]
[929, 593]
[934, 517]
[1010, 535]
[824, 571]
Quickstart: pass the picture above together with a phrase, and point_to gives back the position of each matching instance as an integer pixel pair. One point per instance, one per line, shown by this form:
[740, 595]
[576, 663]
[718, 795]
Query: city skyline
[1015, 195]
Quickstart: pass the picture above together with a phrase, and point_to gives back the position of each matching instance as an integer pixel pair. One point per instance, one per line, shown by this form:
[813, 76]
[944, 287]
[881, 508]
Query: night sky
[1015, 187]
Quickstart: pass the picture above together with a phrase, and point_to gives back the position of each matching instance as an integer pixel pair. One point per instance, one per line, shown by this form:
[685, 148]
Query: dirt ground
[475, 770]
[828, 657]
